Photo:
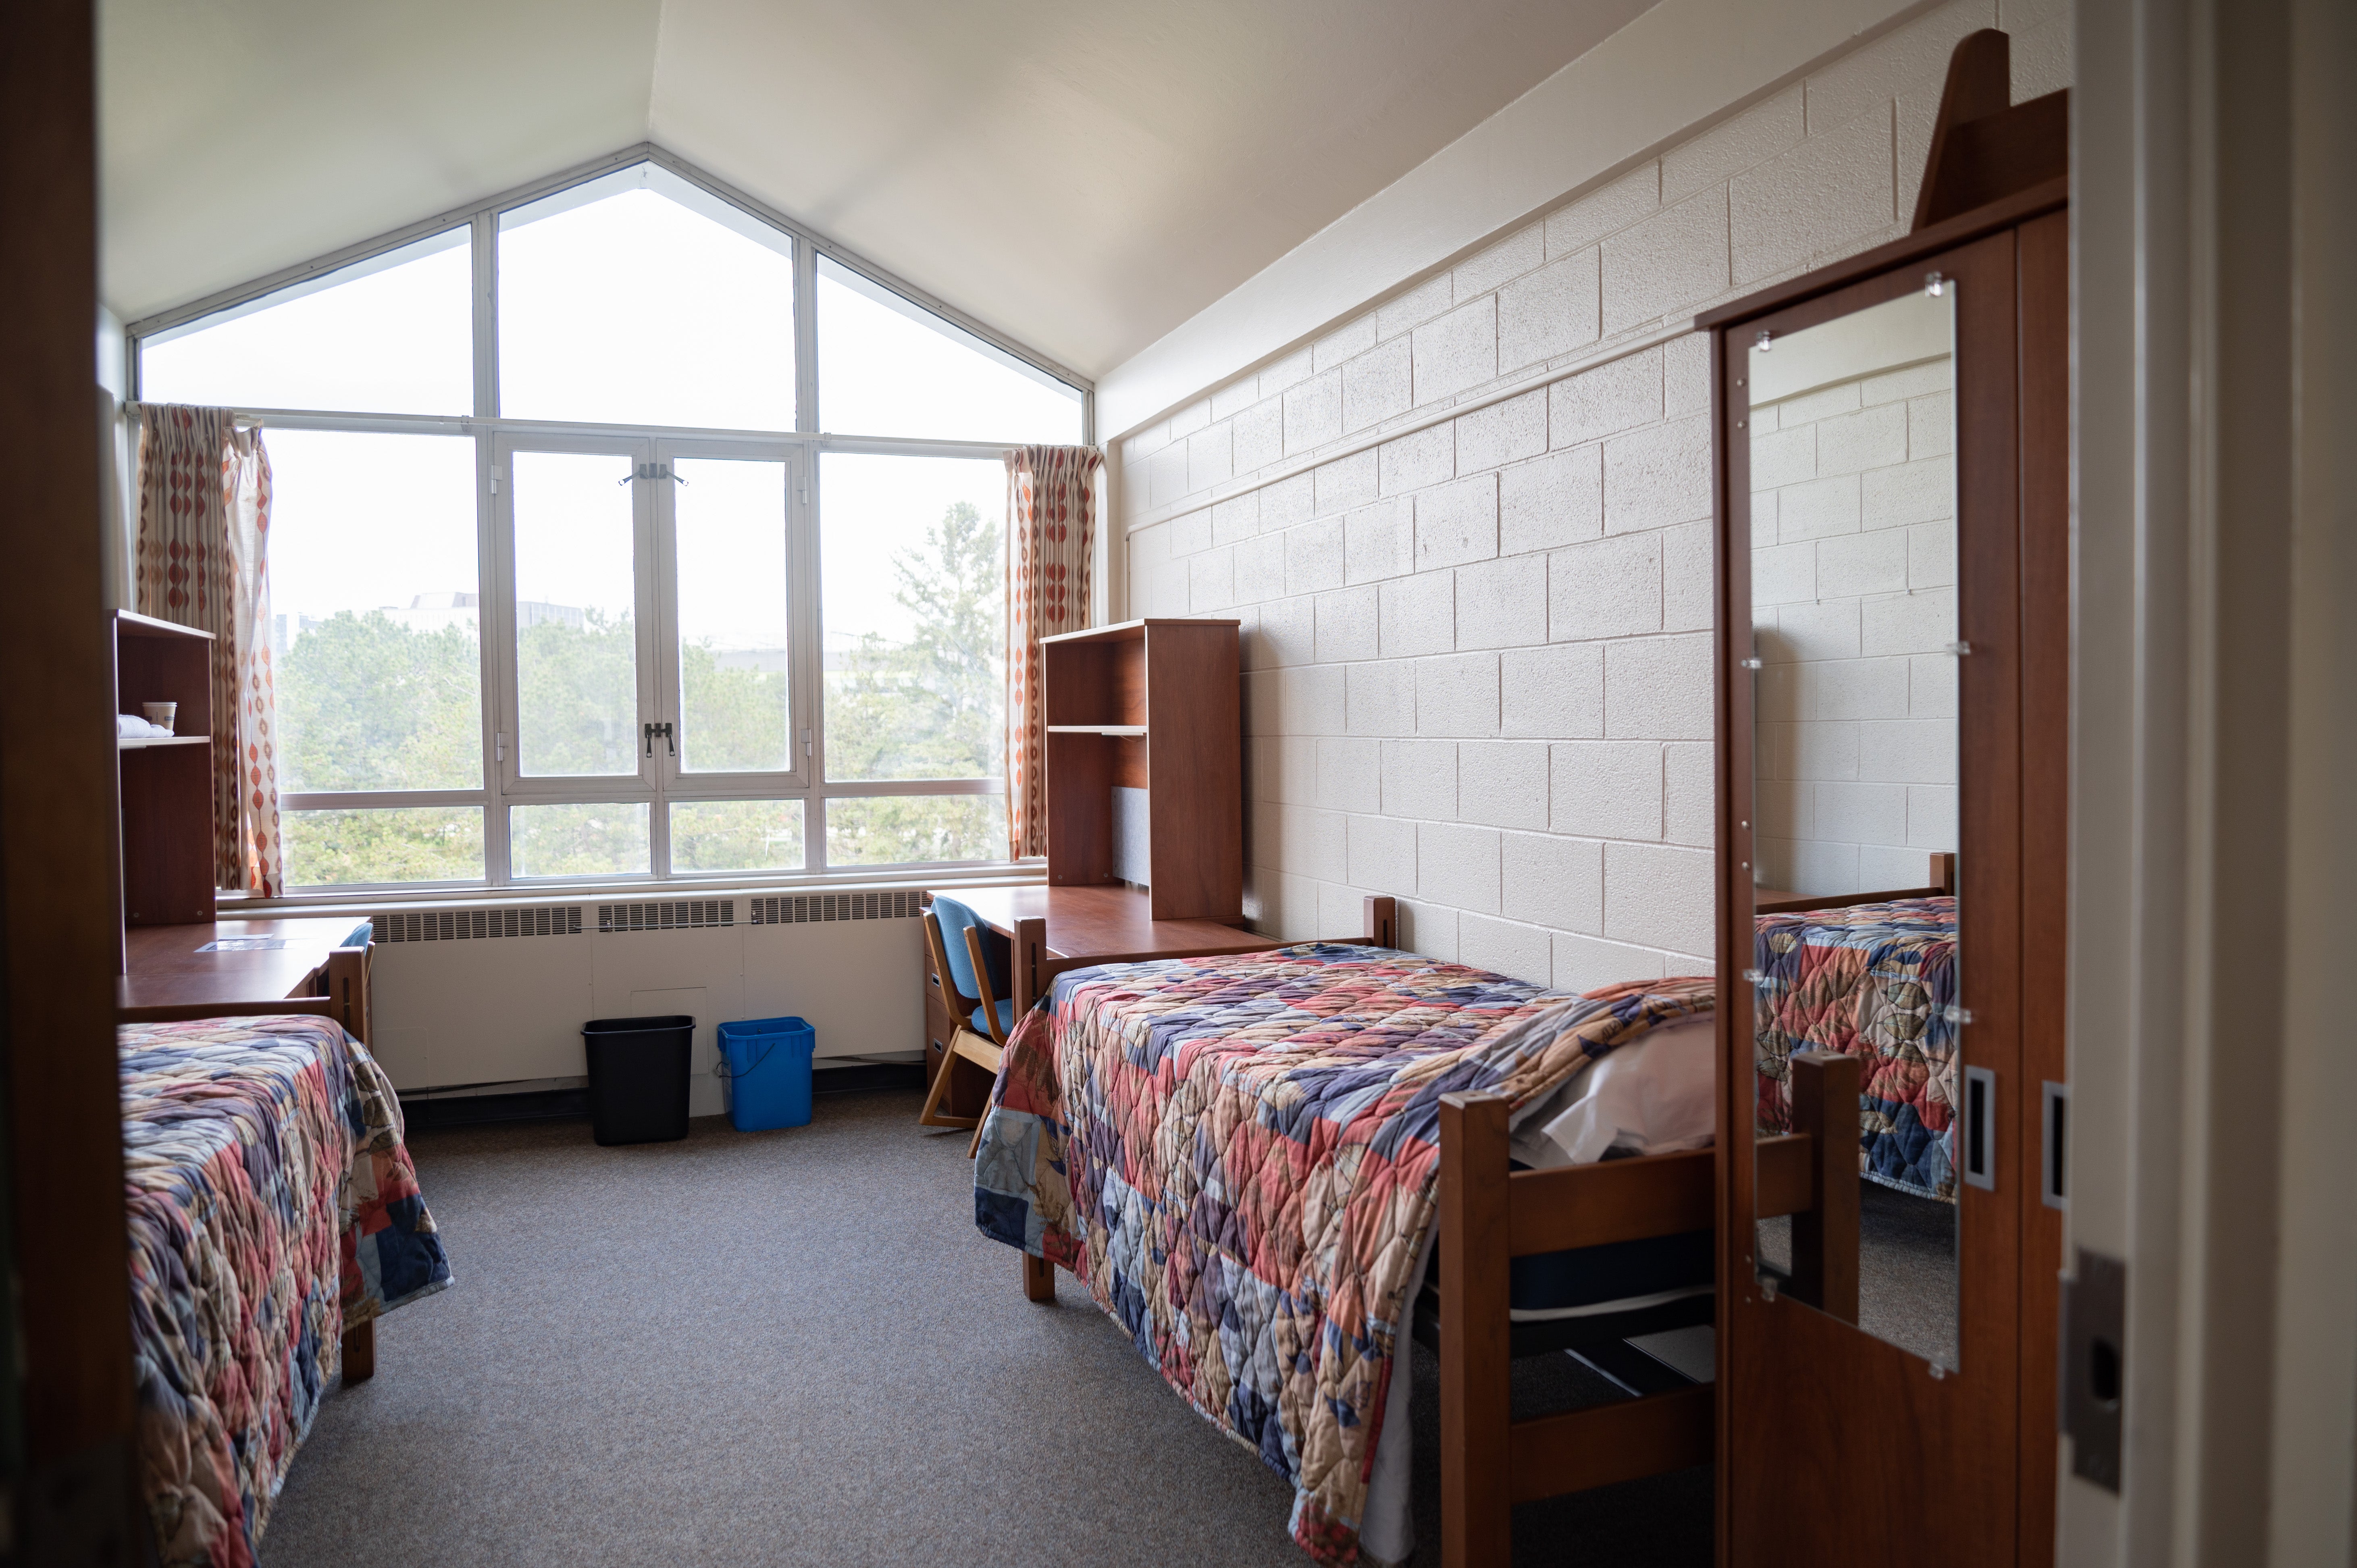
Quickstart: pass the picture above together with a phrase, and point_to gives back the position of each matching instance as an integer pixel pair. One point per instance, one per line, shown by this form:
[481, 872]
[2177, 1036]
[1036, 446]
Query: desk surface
[165, 968]
[1104, 923]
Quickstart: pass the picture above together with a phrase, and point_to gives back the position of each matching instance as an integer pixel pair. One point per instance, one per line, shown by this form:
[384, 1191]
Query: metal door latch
[664, 730]
[2095, 1365]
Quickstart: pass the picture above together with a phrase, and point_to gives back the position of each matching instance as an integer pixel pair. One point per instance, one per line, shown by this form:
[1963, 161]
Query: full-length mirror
[1854, 567]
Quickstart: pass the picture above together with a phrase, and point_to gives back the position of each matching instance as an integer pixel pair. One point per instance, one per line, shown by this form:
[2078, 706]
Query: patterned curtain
[1051, 528]
[201, 560]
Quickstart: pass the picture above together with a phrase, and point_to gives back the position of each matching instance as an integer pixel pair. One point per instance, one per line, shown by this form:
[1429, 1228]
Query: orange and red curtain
[1051, 529]
[202, 560]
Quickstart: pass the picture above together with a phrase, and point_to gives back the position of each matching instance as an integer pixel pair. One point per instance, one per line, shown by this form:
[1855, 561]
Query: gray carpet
[1907, 1276]
[791, 1347]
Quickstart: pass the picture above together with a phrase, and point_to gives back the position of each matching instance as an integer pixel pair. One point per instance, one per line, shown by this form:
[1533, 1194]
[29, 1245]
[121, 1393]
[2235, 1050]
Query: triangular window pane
[639, 298]
[890, 368]
[394, 334]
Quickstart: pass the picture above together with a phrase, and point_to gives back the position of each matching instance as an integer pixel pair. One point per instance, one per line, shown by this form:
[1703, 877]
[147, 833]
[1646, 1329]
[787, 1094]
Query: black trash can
[637, 1077]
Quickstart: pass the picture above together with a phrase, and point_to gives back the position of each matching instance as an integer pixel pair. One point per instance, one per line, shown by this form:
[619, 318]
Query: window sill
[364, 901]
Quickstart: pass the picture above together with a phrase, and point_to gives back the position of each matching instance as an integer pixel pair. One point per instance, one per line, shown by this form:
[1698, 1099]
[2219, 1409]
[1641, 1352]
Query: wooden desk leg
[1038, 1279]
[359, 1353]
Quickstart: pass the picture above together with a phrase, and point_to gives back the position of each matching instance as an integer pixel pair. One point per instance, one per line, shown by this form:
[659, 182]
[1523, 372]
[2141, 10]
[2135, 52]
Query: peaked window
[568, 585]
[393, 334]
[892, 368]
[641, 299]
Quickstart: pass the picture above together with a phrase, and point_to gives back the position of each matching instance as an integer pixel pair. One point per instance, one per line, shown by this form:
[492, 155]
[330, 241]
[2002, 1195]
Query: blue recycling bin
[765, 1069]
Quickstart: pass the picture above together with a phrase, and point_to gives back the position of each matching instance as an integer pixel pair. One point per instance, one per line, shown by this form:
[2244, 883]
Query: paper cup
[160, 713]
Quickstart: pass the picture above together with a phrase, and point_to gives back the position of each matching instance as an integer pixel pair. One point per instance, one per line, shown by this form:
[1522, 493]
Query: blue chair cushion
[997, 954]
[1005, 1021]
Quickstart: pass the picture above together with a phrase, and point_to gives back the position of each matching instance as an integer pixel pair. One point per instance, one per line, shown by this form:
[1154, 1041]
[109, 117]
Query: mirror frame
[1988, 619]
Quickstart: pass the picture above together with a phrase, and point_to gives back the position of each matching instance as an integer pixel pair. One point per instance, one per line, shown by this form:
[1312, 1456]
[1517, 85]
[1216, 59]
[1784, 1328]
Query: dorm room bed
[274, 1215]
[1876, 979]
[1247, 1160]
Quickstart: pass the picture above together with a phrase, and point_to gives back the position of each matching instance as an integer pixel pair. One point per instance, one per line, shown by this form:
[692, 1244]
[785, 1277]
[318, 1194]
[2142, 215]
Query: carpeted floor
[794, 1348]
[1907, 1276]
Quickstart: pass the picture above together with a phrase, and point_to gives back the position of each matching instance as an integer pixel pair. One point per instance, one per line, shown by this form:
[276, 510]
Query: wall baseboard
[556, 1104]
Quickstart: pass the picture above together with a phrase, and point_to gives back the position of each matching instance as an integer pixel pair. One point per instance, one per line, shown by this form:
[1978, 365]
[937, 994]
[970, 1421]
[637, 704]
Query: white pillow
[1653, 1096]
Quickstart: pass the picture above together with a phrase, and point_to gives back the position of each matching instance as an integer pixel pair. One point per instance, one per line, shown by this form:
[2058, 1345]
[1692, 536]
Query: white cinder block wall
[1854, 600]
[1477, 655]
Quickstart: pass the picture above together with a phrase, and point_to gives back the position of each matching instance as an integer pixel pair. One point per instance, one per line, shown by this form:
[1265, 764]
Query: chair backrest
[954, 917]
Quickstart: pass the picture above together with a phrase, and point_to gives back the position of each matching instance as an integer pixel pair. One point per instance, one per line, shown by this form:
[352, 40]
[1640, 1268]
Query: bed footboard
[1490, 1215]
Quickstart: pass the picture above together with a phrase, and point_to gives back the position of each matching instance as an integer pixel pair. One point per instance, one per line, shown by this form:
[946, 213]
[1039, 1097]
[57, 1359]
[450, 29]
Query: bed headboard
[1938, 882]
[181, 1012]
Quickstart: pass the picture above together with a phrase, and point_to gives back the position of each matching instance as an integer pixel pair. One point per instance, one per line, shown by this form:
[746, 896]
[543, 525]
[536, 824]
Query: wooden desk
[167, 976]
[1056, 928]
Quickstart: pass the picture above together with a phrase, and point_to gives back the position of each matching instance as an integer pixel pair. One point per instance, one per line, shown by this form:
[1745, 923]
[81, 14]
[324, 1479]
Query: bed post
[1476, 1485]
[1381, 920]
[359, 1353]
[1824, 1235]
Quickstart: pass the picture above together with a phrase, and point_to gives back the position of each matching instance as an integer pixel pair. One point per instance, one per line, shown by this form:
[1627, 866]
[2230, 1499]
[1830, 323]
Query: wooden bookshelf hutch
[1145, 763]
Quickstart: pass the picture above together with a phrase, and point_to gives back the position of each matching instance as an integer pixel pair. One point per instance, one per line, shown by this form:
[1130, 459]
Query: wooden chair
[963, 961]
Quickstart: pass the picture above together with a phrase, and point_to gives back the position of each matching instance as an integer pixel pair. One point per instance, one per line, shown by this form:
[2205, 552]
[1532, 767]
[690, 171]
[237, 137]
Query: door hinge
[499, 745]
[495, 479]
[806, 743]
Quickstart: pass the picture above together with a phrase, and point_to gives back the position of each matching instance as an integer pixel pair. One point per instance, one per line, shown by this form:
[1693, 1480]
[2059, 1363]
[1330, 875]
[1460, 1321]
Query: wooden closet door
[1836, 1447]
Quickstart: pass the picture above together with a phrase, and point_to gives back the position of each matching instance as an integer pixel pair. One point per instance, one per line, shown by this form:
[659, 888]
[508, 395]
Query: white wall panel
[857, 981]
[480, 1012]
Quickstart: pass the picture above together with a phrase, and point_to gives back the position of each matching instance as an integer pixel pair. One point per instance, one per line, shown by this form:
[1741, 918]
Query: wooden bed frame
[1490, 1214]
[1941, 883]
[346, 1000]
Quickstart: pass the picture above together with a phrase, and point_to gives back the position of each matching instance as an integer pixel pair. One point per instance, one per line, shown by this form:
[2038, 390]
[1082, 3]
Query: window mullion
[806, 389]
[486, 230]
[495, 618]
[664, 706]
[808, 636]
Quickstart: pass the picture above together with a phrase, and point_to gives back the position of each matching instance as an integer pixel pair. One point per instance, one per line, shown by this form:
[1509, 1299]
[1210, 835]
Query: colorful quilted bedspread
[1876, 980]
[1240, 1157]
[272, 1207]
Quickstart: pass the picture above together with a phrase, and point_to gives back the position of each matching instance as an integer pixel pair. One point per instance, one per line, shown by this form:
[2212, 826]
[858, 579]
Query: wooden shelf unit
[1145, 763]
[167, 784]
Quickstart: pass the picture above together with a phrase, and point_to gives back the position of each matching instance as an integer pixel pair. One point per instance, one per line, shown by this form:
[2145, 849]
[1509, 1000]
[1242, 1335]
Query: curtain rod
[1507, 394]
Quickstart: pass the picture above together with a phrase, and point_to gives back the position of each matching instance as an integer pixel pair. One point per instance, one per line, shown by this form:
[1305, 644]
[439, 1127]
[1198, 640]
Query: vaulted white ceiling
[1083, 176]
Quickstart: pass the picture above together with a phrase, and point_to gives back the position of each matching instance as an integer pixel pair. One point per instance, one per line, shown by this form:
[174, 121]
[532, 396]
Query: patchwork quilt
[272, 1207]
[1875, 981]
[1240, 1157]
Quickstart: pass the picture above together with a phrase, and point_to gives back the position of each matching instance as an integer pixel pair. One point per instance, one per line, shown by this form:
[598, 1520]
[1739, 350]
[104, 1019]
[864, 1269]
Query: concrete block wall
[1854, 603]
[1477, 651]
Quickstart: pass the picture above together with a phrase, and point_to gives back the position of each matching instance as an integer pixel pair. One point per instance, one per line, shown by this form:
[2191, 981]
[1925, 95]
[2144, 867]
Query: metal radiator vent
[803, 909]
[477, 925]
[675, 915]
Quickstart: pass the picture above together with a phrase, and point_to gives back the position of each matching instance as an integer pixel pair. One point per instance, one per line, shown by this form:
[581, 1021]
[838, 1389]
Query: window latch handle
[652, 730]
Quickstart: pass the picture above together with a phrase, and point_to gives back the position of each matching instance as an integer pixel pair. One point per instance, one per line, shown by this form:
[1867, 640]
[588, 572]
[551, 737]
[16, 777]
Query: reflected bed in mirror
[1854, 787]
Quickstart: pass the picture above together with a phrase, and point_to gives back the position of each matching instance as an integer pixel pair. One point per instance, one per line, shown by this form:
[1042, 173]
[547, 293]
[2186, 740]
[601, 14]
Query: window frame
[497, 437]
